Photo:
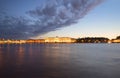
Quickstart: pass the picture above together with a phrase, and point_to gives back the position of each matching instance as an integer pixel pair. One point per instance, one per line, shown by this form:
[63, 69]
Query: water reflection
[4, 54]
[57, 53]
[20, 55]
[1, 57]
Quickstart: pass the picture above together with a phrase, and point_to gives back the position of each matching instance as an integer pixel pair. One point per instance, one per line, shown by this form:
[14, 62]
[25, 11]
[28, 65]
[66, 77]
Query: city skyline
[63, 40]
[101, 21]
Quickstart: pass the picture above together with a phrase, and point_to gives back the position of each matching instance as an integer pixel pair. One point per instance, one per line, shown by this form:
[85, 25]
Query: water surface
[60, 61]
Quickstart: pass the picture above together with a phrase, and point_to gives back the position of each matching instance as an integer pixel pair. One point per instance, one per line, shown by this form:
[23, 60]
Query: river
[59, 60]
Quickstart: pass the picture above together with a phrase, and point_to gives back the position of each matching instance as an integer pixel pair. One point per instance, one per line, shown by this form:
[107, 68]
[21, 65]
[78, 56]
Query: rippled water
[60, 61]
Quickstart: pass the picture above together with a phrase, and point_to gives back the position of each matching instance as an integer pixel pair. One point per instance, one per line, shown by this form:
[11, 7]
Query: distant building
[115, 41]
[35, 41]
[60, 40]
[30, 41]
[39, 40]
[12, 41]
[22, 41]
[1, 41]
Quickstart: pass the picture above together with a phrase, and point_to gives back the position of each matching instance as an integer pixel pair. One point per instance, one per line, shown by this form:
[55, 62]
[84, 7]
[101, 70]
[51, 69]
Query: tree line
[92, 40]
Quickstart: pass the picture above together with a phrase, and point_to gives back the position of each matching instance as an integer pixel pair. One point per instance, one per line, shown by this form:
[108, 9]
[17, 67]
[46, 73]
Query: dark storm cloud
[14, 28]
[50, 16]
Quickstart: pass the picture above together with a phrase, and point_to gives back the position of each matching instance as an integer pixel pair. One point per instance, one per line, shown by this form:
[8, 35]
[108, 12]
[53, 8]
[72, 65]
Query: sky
[23, 19]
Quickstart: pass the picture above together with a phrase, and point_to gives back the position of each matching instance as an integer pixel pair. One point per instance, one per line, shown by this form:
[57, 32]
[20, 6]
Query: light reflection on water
[60, 61]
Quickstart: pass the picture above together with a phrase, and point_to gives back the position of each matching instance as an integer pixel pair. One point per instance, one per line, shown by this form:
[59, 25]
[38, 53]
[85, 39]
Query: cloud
[50, 16]
[14, 28]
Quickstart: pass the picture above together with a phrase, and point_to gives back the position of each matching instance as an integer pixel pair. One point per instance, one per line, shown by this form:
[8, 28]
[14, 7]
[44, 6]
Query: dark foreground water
[60, 61]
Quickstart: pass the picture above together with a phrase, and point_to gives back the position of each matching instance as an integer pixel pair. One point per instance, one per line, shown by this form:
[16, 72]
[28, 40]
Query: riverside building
[59, 40]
